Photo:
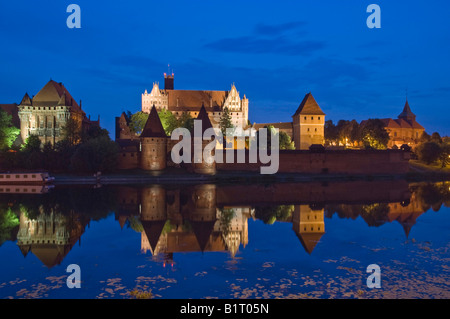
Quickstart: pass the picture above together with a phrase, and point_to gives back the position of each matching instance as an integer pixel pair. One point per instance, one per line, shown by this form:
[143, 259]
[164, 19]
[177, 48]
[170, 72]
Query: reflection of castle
[185, 221]
[215, 217]
[404, 212]
[49, 237]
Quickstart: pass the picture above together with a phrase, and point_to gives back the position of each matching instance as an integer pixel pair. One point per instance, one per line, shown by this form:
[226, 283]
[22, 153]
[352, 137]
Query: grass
[421, 171]
[434, 167]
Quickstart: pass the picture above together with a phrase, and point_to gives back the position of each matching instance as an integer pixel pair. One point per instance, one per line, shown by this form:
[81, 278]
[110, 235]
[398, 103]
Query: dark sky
[274, 51]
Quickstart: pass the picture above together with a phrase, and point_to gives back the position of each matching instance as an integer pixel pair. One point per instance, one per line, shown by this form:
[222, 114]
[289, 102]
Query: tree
[168, 121]
[225, 121]
[348, 132]
[71, 131]
[137, 122]
[428, 152]
[8, 132]
[331, 133]
[97, 154]
[186, 121]
[436, 137]
[444, 155]
[374, 134]
[284, 140]
[425, 137]
[93, 131]
[32, 144]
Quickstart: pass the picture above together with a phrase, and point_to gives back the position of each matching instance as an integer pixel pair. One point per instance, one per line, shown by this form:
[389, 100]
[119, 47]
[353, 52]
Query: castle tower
[202, 167]
[309, 226]
[308, 124]
[169, 82]
[153, 143]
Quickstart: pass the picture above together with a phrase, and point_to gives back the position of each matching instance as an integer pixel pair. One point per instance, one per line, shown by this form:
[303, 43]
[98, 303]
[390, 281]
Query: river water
[246, 241]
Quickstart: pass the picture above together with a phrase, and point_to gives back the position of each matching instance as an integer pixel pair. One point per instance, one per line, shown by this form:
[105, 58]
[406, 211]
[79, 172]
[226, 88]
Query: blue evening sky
[274, 51]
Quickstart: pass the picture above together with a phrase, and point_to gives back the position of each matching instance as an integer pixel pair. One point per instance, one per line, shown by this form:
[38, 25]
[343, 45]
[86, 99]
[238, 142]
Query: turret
[153, 143]
[200, 165]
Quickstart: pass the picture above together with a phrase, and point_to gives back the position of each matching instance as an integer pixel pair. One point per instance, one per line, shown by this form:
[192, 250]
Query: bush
[428, 152]
[97, 154]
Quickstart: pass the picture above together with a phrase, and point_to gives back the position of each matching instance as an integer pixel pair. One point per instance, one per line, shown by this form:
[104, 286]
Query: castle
[46, 113]
[190, 101]
[151, 150]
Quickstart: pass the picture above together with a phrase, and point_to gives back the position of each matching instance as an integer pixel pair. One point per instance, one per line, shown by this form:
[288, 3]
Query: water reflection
[206, 218]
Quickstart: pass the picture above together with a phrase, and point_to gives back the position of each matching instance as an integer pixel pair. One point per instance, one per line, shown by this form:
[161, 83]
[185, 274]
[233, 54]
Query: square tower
[308, 124]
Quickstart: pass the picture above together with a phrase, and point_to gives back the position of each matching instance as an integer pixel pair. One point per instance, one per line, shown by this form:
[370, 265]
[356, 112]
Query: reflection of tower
[49, 237]
[128, 204]
[153, 217]
[309, 225]
[203, 215]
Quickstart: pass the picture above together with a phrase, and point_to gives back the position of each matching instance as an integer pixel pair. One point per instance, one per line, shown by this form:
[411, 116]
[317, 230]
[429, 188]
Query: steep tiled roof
[390, 123]
[26, 100]
[52, 94]
[309, 106]
[407, 113]
[203, 116]
[153, 127]
[214, 100]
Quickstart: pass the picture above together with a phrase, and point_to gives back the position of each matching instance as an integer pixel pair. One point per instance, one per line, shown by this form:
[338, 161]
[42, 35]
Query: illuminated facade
[404, 129]
[48, 111]
[190, 101]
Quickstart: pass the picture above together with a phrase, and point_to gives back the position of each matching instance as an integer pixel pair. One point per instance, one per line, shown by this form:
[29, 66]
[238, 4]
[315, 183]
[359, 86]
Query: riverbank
[422, 172]
[418, 172]
[177, 176]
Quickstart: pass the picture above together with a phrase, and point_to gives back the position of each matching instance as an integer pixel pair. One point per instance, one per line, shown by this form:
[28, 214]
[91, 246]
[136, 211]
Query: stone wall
[367, 162]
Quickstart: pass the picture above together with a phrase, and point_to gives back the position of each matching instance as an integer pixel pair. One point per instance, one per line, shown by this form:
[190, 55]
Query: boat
[25, 178]
[24, 189]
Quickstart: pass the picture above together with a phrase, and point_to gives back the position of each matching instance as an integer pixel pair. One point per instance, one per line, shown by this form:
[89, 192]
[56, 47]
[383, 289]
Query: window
[305, 118]
[312, 117]
[318, 118]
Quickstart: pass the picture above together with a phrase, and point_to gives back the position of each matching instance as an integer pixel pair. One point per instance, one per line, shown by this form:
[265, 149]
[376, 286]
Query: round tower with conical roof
[153, 143]
[199, 163]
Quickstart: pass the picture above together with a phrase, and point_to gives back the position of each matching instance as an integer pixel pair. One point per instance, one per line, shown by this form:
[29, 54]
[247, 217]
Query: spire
[26, 100]
[203, 116]
[153, 127]
[407, 114]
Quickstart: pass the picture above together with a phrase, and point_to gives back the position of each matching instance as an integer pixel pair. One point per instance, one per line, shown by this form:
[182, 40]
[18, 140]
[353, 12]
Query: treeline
[369, 134]
[79, 151]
